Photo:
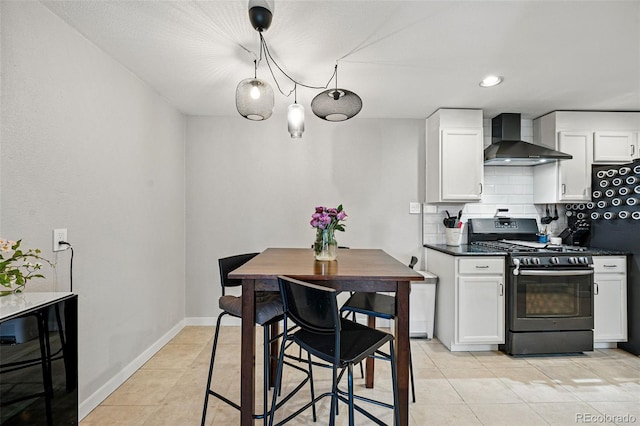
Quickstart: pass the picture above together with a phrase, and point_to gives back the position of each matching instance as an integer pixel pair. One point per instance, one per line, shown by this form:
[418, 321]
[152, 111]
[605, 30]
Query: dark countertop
[595, 251]
[465, 250]
[470, 250]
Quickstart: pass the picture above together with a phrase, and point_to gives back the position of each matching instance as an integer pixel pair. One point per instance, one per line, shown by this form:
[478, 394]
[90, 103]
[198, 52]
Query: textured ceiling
[404, 58]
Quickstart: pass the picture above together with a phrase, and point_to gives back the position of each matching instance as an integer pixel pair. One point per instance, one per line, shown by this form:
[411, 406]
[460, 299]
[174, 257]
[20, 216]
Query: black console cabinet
[39, 359]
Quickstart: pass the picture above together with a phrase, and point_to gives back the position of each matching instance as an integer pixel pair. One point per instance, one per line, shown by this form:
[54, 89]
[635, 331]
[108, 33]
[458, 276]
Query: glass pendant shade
[254, 99]
[295, 117]
[336, 105]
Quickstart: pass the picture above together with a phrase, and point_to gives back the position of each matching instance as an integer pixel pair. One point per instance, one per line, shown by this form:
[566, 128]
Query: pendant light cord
[269, 59]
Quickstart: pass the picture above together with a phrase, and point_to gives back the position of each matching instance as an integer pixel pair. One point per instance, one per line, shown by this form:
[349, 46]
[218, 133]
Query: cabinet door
[574, 176]
[613, 147]
[461, 164]
[480, 309]
[610, 308]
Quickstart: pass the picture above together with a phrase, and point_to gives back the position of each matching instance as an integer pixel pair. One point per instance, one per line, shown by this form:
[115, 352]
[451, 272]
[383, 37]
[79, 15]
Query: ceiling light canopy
[261, 14]
[254, 97]
[491, 80]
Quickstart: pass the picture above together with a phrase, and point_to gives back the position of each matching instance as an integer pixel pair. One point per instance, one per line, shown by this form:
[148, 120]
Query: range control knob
[536, 260]
[584, 260]
[573, 260]
[554, 260]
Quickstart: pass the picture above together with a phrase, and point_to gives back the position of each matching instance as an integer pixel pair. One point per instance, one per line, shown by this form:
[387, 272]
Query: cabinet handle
[482, 266]
[609, 266]
[633, 150]
[596, 290]
[501, 289]
[564, 188]
[481, 188]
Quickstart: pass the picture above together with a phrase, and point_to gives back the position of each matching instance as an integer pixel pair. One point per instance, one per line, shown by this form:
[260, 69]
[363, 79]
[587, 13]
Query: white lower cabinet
[610, 299]
[470, 301]
[480, 309]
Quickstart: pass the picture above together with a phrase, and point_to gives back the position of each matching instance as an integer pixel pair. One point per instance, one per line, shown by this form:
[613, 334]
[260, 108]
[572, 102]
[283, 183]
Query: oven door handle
[535, 272]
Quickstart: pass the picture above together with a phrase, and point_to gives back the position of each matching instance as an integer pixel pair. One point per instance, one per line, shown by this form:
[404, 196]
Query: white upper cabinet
[590, 137]
[455, 156]
[614, 147]
[574, 176]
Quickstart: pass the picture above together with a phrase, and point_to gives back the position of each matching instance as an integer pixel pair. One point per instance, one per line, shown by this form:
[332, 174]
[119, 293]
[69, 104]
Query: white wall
[250, 186]
[89, 147]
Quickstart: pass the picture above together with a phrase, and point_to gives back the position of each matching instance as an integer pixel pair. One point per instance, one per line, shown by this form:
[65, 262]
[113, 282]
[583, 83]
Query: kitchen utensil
[555, 212]
[449, 221]
[546, 219]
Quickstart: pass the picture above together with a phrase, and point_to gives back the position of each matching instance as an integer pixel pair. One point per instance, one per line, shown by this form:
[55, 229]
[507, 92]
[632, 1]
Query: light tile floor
[453, 388]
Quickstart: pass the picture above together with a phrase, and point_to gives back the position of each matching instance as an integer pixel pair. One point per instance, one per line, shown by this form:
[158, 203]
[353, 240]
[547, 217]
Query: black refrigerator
[615, 224]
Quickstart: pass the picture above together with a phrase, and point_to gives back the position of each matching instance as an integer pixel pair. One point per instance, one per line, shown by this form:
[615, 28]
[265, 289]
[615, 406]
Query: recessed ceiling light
[490, 81]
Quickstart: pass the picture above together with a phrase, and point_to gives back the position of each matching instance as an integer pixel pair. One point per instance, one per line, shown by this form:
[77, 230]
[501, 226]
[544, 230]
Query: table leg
[402, 349]
[248, 355]
[370, 364]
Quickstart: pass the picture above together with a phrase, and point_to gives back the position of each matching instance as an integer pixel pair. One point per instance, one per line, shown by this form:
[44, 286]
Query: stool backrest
[312, 307]
[229, 264]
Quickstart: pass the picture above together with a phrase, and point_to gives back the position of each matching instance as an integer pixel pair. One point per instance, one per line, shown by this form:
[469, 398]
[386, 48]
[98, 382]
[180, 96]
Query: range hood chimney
[508, 149]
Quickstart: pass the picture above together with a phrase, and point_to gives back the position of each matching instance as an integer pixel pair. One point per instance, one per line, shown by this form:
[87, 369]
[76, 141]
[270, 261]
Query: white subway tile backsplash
[495, 199]
[521, 199]
[496, 180]
[521, 180]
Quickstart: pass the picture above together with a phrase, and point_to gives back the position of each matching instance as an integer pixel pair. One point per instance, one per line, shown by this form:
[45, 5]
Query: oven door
[551, 300]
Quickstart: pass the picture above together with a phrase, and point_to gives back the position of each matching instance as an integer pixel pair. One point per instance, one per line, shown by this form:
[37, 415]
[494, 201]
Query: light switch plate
[415, 208]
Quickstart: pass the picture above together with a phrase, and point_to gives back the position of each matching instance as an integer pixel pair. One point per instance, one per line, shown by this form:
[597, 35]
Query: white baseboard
[101, 394]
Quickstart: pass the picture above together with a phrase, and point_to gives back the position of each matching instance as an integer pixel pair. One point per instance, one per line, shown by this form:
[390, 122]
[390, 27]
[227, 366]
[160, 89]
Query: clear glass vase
[325, 246]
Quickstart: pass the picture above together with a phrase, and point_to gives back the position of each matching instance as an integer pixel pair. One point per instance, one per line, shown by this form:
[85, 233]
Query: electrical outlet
[414, 208]
[59, 235]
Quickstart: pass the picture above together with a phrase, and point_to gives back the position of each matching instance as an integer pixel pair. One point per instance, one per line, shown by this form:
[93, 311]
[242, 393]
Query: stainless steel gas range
[549, 288]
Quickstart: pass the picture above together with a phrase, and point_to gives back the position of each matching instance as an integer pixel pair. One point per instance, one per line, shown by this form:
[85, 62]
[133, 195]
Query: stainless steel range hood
[507, 148]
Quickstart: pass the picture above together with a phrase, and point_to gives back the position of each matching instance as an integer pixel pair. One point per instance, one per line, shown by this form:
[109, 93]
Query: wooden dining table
[363, 270]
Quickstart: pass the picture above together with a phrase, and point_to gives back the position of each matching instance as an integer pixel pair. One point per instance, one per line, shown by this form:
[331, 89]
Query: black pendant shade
[336, 104]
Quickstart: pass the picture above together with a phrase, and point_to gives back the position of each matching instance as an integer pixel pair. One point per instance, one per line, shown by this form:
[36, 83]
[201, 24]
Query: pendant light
[295, 116]
[254, 98]
[336, 104]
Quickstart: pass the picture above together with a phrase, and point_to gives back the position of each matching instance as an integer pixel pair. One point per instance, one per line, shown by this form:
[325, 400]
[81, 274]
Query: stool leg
[213, 356]
[394, 380]
[313, 393]
[413, 387]
[278, 377]
[350, 389]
